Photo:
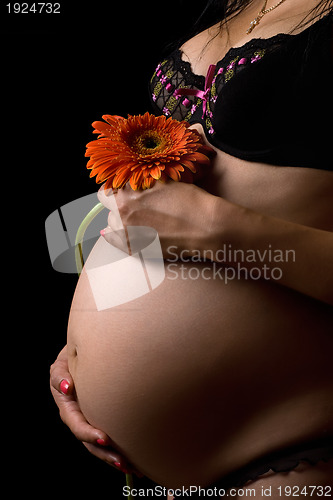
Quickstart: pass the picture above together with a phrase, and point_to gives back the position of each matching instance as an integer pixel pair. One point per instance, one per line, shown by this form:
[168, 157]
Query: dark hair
[223, 10]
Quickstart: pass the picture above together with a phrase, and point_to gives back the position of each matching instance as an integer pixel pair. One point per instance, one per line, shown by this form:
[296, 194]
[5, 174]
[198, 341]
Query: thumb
[60, 378]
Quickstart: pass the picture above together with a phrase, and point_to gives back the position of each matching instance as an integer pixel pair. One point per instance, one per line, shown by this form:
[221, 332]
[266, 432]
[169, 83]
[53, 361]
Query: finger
[114, 221]
[113, 458]
[108, 455]
[107, 198]
[71, 415]
[117, 239]
[62, 389]
[60, 378]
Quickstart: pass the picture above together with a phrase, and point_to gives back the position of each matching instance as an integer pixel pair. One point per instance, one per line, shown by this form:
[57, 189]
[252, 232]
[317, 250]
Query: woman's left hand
[179, 212]
[95, 440]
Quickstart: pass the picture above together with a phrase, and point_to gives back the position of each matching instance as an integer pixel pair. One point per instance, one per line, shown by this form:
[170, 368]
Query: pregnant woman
[207, 380]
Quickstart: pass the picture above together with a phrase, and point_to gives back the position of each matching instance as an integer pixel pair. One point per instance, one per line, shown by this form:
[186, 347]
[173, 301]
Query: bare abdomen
[185, 377]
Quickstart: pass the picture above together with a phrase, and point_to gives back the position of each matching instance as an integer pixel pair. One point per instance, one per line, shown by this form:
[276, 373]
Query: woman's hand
[95, 440]
[190, 220]
[179, 212]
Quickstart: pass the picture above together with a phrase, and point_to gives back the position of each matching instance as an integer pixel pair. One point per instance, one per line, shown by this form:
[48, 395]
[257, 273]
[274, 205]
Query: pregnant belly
[188, 378]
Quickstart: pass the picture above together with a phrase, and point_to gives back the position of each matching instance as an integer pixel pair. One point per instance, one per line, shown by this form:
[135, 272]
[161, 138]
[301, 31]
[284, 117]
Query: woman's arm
[304, 255]
[188, 220]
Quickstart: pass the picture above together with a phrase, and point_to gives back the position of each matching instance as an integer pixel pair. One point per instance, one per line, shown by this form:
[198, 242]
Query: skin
[248, 204]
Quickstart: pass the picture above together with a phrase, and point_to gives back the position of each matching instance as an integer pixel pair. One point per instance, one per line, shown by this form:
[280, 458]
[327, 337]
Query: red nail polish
[102, 442]
[123, 469]
[64, 386]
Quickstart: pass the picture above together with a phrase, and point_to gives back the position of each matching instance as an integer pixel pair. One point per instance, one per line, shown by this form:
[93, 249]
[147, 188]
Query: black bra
[269, 101]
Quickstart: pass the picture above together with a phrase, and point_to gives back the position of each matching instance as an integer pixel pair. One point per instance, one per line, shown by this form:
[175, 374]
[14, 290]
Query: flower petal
[155, 172]
[173, 173]
[189, 165]
[148, 183]
[145, 148]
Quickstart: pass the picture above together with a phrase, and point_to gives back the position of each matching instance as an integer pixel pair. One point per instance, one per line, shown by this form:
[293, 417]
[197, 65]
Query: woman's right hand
[95, 440]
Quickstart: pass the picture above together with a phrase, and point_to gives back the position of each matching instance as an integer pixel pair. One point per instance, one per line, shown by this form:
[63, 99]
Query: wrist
[225, 227]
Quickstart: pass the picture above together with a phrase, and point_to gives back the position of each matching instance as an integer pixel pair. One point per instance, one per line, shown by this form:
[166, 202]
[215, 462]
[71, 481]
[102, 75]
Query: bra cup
[269, 100]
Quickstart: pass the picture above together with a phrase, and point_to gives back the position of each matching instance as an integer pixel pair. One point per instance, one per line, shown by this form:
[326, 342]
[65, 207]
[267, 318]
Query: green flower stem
[80, 235]
[129, 483]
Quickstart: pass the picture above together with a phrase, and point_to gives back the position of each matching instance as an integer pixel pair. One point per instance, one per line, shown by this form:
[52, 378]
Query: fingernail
[123, 469]
[102, 232]
[102, 442]
[64, 386]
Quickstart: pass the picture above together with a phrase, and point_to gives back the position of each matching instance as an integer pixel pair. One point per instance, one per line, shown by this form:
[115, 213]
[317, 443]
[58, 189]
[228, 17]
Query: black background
[59, 74]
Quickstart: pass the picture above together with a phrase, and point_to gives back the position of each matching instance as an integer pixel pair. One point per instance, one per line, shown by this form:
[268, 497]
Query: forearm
[303, 255]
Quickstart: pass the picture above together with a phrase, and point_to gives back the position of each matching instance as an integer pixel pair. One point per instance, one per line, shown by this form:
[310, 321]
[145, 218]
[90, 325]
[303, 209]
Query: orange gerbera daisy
[145, 148]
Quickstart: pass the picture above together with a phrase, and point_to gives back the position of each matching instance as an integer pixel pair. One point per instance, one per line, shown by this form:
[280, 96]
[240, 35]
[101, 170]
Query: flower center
[148, 142]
